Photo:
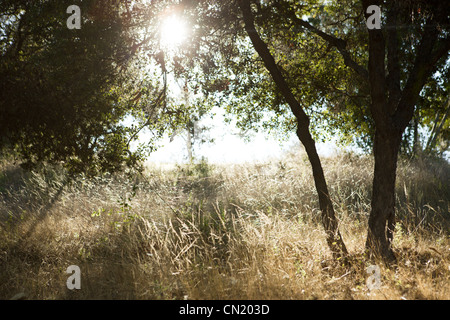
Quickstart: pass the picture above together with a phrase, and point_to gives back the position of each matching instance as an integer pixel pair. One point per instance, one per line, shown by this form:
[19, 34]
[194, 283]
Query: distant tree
[194, 110]
[429, 131]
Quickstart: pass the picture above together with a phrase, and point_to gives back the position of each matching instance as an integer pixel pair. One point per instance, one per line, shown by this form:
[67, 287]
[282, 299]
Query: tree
[394, 94]
[64, 93]
[329, 219]
[193, 109]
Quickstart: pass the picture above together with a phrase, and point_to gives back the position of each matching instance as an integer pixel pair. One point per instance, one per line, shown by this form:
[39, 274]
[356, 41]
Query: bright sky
[229, 147]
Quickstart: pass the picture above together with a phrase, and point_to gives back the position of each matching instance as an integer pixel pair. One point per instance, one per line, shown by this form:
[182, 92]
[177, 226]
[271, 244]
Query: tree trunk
[329, 220]
[416, 143]
[189, 143]
[382, 215]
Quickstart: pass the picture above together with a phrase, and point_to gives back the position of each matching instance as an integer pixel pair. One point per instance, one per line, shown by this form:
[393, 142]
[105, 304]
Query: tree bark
[330, 222]
[382, 216]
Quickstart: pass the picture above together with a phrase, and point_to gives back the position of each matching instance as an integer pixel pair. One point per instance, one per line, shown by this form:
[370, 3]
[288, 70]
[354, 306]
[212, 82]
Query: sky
[229, 147]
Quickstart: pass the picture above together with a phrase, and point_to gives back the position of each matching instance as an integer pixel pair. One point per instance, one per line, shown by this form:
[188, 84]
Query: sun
[174, 32]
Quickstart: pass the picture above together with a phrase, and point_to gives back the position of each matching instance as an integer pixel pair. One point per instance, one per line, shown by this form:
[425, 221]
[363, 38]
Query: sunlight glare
[173, 32]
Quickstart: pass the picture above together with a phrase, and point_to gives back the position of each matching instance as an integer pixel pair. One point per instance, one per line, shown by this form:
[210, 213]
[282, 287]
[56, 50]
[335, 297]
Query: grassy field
[218, 232]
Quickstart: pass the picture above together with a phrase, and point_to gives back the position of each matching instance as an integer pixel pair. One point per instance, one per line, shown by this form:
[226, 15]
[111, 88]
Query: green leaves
[65, 92]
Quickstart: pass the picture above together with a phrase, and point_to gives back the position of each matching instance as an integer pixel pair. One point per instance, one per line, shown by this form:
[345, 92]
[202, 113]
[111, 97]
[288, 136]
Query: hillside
[218, 232]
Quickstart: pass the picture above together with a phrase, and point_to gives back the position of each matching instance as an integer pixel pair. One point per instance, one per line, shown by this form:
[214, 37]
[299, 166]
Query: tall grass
[206, 231]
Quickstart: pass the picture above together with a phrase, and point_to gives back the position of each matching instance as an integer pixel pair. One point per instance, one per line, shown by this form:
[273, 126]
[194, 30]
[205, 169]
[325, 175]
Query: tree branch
[437, 128]
[269, 62]
[428, 53]
[338, 43]
[393, 64]
[377, 79]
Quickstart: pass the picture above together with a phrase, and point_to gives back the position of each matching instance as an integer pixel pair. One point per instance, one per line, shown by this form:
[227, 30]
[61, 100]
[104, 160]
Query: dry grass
[217, 232]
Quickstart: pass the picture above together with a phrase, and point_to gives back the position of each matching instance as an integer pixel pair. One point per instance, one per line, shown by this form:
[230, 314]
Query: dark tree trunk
[382, 216]
[329, 220]
[416, 149]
